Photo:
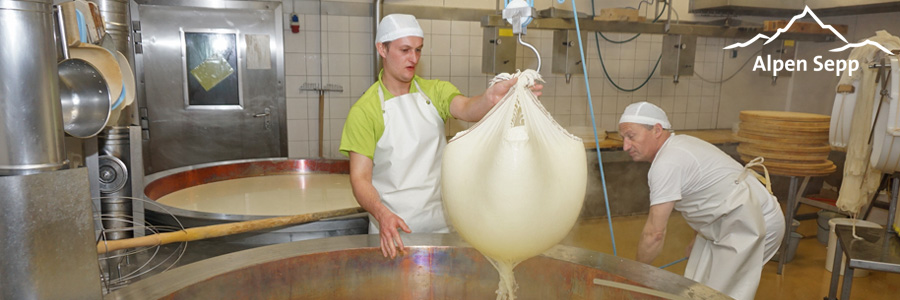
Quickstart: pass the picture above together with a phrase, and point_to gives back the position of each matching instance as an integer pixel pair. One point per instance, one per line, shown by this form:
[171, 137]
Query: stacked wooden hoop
[792, 143]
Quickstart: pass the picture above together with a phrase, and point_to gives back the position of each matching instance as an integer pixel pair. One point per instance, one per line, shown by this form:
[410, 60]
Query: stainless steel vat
[31, 130]
[438, 266]
[163, 183]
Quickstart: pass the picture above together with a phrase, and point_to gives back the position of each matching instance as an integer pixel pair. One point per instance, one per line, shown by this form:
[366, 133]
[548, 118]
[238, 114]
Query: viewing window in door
[211, 68]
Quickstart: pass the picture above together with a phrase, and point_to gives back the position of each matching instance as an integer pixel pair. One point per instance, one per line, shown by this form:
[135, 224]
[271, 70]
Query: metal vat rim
[177, 279]
[40, 6]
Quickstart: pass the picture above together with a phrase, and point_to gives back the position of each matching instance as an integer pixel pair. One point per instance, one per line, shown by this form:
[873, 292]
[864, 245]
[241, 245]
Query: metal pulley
[519, 14]
[113, 174]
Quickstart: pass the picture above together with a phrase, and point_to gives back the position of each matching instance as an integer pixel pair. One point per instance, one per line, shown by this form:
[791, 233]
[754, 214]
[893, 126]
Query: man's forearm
[654, 234]
[361, 183]
[649, 247]
[368, 198]
[472, 109]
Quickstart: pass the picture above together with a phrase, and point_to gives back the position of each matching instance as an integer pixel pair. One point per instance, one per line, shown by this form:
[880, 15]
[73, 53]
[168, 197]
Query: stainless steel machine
[46, 227]
[211, 74]
[437, 266]
[31, 134]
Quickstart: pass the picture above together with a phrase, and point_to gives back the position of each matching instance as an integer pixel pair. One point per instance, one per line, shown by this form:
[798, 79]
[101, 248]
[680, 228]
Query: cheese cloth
[861, 180]
[514, 183]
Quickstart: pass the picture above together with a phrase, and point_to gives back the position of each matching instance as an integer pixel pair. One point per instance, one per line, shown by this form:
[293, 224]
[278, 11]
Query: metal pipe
[31, 129]
[61, 27]
[117, 25]
[114, 159]
[115, 183]
[892, 209]
[116, 21]
[788, 216]
[376, 59]
[669, 17]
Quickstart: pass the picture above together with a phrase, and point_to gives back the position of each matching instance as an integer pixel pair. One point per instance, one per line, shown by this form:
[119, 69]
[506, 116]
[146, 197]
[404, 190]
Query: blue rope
[587, 85]
[674, 262]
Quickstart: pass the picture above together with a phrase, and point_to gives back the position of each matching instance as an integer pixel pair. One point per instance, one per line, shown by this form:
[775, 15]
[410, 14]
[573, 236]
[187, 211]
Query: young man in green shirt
[394, 136]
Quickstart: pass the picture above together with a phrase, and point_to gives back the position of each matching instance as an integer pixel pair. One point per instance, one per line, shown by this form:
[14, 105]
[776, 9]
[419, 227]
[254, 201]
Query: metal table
[878, 250]
[792, 205]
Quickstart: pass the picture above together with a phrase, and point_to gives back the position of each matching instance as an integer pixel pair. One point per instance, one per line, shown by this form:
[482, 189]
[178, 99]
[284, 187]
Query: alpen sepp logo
[776, 65]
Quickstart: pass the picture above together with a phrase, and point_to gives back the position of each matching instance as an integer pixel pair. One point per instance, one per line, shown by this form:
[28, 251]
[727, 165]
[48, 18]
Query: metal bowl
[85, 98]
[437, 266]
[169, 181]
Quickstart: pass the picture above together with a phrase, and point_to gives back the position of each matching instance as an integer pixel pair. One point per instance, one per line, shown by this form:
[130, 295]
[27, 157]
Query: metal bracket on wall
[678, 55]
[783, 50]
[566, 58]
[136, 28]
[499, 51]
[145, 123]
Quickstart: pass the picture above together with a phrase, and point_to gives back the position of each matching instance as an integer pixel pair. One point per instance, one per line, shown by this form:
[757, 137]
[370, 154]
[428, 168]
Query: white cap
[645, 113]
[395, 26]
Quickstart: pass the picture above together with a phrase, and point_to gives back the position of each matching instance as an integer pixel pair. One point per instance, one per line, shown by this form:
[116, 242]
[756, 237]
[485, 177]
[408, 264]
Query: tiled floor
[803, 278]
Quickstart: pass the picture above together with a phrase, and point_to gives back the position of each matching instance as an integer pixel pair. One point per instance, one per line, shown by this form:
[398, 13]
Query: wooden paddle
[212, 231]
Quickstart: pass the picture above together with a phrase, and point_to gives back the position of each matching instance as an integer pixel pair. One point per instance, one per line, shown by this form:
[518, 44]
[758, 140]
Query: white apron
[732, 243]
[407, 162]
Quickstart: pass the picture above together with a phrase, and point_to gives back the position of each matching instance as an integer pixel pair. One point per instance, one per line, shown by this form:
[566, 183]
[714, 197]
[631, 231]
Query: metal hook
[536, 53]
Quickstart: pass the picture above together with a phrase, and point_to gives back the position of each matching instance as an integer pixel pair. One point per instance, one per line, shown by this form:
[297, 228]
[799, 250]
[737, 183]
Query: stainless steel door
[212, 77]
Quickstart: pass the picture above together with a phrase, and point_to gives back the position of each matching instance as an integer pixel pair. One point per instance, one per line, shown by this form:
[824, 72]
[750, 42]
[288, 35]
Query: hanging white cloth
[514, 183]
[734, 240]
[860, 179]
[407, 162]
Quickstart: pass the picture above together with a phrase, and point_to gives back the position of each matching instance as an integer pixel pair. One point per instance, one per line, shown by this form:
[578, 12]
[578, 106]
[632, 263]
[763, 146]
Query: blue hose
[587, 85]
[674, 262]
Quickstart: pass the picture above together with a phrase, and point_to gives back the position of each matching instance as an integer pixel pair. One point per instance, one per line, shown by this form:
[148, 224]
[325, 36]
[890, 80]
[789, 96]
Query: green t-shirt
[365, 122]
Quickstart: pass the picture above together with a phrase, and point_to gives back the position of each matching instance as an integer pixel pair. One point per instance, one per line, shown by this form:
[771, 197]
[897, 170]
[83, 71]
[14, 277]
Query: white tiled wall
[452, 52]
[339, 49]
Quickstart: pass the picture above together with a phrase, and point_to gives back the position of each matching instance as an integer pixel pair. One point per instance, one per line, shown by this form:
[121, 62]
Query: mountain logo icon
[809, 12]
